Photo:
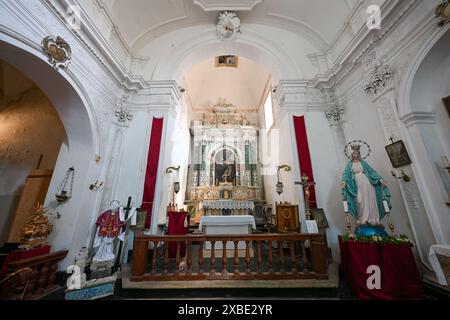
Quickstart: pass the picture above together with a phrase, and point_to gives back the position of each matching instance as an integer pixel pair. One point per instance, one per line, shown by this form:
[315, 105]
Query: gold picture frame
[227, 61]
[287, 218]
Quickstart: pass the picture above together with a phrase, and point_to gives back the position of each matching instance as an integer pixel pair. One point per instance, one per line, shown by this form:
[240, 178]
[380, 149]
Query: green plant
[402, 239]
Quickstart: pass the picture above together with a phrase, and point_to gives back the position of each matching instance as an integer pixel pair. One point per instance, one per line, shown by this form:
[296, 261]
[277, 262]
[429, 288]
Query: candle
[386, 206]
[345, 206]
[445, 162]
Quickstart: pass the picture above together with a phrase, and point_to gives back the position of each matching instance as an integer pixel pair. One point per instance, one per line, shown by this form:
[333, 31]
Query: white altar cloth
[434, 261]
[227, 222]
[227, 225]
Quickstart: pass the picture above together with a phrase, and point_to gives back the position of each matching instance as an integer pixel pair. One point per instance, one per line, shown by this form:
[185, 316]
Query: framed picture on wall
[398, 154]
[446, 101]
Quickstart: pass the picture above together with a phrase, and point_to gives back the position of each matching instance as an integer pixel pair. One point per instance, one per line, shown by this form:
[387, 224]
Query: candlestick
[345, 206]
[386, 206]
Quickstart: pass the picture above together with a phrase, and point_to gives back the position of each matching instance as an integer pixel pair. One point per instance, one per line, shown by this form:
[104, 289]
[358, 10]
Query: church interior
[270, 148]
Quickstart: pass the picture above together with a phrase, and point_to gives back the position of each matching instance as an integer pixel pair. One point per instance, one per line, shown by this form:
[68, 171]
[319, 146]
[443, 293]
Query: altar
[227, 225]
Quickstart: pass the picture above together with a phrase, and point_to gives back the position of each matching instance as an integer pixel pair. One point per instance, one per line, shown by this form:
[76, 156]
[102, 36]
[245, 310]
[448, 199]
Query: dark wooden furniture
[31, 279]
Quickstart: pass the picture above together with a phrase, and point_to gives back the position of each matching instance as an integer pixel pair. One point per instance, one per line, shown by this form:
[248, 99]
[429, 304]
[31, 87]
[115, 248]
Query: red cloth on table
[400, 278]
[18, 255]
[178, 225]
[304, 156]
[152, 168]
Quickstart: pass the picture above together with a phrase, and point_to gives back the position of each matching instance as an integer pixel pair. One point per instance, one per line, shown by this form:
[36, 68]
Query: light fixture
[176, 184]
[280, 186]
[63, 194]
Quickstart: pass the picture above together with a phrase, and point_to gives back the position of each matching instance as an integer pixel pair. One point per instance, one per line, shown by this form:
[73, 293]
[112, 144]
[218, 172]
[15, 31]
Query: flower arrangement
[402, 239]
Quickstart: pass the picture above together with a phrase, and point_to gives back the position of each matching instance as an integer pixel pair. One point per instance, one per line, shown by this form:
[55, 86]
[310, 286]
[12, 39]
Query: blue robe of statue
[350, 191]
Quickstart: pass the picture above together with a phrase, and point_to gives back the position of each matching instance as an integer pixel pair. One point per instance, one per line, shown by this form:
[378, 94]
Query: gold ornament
[36, 231]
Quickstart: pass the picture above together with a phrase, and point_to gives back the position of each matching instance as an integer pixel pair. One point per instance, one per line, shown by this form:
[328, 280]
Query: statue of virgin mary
[364, 190]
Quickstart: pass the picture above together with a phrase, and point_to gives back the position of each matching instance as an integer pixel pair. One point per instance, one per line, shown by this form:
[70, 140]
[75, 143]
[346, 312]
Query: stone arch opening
[426, 126]
[77, 150]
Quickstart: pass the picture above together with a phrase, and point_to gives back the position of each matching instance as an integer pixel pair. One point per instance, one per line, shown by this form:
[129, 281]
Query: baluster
[189, 258]
[280, 249]
[139, 258]
[236, 258]
[166, 257]
[247, 256]
[224, 257]
[259, 259]
[154, 258]
[304, 257]
[178, 260]
[213, 258]
[293, 258]
[270, 258]
[200, 258]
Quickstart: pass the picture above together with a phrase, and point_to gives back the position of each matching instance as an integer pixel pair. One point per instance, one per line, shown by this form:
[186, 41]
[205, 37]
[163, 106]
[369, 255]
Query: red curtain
[304, 156]
[178, 224]
[152, 168]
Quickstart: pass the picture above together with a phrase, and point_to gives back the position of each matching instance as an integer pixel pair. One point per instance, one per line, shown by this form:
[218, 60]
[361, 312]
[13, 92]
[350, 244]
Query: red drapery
[178, 224]
[400, 278]
[152, 168]
[304, 156]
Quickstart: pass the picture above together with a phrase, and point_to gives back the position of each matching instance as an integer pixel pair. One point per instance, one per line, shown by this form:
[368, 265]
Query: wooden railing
[31, 278]
[265, 257]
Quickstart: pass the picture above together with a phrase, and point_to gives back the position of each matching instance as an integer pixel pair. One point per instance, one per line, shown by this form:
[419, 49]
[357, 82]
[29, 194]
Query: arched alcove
[77, 151]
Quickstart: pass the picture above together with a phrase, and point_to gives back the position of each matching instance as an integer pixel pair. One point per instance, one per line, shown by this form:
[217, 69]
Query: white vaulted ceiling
[140, 21]
[243, 86]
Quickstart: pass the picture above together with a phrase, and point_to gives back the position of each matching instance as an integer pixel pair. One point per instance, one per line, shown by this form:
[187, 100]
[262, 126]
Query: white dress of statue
[366, 200]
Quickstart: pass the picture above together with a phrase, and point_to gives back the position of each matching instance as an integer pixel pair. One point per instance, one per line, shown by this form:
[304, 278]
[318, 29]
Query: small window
[268, 112]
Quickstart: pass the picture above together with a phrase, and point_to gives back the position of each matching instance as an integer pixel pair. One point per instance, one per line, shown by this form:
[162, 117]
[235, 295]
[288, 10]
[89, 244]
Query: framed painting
[227, 61]
[141, 216]
[287, 218]
[320, 217]
[398, 154]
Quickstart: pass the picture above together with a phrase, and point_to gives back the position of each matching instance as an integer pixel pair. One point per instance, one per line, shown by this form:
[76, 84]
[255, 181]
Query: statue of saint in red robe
[109, 228]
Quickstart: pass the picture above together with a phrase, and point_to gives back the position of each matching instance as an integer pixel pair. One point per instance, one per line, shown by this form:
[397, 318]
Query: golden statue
[36, 231]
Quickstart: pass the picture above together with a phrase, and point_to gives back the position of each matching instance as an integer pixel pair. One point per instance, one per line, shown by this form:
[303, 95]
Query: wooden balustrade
[265, 257]
[31, 278]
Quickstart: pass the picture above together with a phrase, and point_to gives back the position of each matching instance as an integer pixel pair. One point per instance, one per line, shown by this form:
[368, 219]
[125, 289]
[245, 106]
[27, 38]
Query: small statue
[365, 194]
[36, 231]
[109, 227]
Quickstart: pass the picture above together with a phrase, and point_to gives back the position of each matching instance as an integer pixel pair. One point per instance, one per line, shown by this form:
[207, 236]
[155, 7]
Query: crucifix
[124, 229]
[391, 139]
[306, 185]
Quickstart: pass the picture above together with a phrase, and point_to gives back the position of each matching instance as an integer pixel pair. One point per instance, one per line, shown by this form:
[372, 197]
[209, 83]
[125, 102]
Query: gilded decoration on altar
[37, 230]
[225, 174]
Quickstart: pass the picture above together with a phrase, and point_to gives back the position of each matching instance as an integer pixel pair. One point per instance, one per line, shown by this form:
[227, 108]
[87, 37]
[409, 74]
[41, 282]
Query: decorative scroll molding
[123, 115]
[378, 80]
[228, 26]
[334, 111]
[58, 51]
